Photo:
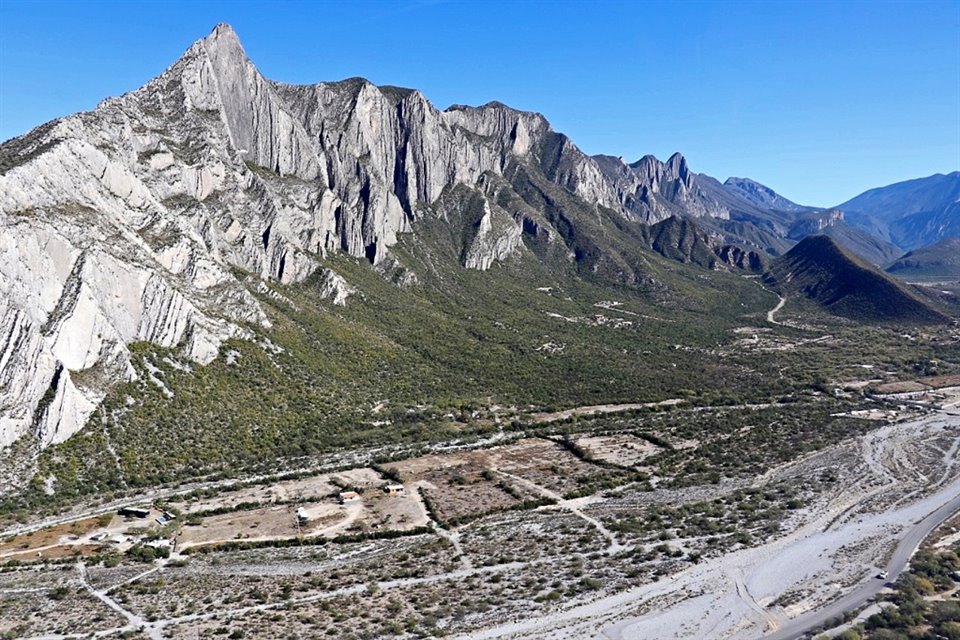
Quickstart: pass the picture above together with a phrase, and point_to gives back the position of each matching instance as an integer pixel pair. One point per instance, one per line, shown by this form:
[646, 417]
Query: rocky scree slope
[147, 218]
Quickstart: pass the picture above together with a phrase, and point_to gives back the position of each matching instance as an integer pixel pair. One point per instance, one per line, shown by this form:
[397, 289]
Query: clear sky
[818, 100]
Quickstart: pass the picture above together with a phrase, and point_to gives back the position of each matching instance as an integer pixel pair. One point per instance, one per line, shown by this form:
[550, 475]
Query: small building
[348, 497]
[302, 515]
[133, 512]
[98, 537]
[394, 489]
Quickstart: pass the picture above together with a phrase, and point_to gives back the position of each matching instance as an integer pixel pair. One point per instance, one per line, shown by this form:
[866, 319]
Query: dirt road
[777, 308]
[827, 560]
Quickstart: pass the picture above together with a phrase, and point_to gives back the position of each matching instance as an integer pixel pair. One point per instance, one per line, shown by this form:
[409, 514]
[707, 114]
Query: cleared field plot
[313, 488]
[454, 502]
[464, 484]
[63, 608]
[73, 533]
[361, 478]
[54, 552]
[546, 464]
[901, 387]
[399, 512]
[938, 382]
[461, 485]
[625, 450]
[267, 523]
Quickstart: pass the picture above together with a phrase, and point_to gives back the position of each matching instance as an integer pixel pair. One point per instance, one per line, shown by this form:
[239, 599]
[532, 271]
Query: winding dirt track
[777, 308]
[889, 508]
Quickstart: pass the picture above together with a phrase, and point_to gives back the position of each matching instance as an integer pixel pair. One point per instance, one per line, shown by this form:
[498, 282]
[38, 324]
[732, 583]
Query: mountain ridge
[822, 271]
[131, 222]
[210, 167]
[911, 213]
[941, 259]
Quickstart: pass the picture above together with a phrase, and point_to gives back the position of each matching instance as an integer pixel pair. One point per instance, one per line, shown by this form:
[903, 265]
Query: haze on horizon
[819, 101]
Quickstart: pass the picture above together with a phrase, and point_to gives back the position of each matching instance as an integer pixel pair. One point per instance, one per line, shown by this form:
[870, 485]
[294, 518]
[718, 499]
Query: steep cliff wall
[123, 224]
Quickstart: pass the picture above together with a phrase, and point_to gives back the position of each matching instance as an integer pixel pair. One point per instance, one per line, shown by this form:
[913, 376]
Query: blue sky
[818, 100]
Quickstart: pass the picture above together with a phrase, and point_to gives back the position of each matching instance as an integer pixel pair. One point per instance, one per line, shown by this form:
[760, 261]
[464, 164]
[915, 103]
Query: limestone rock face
[78, 284]
[651, 191]
[815, 222]
[497, 236]
[334, 287]
[123, 224]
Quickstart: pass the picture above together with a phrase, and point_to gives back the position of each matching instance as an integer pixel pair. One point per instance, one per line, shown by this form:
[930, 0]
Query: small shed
[348, 497]
[133, 512]
[394, 489]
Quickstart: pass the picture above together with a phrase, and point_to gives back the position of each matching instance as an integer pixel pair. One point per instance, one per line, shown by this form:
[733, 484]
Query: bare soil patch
[63, 533]
[937, 382]
[546, 464]
[901, 387]
[267, 522]
[626, 450]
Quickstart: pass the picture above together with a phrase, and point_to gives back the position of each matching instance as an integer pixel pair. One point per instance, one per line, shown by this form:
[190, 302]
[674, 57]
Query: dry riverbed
[567, 536]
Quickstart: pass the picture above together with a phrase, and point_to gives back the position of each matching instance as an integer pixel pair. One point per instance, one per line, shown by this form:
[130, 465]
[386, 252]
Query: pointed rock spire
[260, 125]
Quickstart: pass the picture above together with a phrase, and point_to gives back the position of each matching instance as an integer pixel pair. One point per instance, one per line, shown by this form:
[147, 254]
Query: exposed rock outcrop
[761, 195]
[123, 224]
[651, 190]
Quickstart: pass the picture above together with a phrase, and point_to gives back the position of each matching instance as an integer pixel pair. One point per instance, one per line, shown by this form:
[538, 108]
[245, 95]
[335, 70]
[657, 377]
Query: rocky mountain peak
[760, 195]
[145, 207]
[223, 31]
[677, 165]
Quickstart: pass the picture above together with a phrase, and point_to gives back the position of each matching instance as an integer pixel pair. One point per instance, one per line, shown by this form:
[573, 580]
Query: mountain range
[941, 260]
[168, 215]
[823, 272]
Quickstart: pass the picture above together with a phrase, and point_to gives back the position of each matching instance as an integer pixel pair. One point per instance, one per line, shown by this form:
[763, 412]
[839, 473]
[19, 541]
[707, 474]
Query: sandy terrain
[317, 487]
[600, 409]
[838, 543]
[626, 450]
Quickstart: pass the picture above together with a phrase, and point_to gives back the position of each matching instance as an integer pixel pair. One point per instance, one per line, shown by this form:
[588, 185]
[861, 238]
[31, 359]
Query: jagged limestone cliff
[124, 224]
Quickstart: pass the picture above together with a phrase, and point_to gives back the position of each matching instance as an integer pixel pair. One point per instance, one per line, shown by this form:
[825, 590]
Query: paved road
[800, 625]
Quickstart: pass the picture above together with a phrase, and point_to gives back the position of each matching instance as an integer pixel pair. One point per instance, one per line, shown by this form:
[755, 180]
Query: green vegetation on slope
[846, 286]
[937, 260]
[425, 362]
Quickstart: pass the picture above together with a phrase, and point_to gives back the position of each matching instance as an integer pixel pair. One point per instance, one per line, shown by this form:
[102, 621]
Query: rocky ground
[620, 559]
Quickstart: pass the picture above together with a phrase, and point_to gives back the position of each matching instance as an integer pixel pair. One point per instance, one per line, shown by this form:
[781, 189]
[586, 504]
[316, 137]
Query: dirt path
[729, 597]
[454, 538]
[600, 409]
[782, 301]
[773, 622]
[573, 506]
[136, 622]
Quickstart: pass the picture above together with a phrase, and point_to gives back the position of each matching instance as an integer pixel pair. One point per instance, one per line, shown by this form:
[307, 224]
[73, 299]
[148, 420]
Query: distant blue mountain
[909, 214]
